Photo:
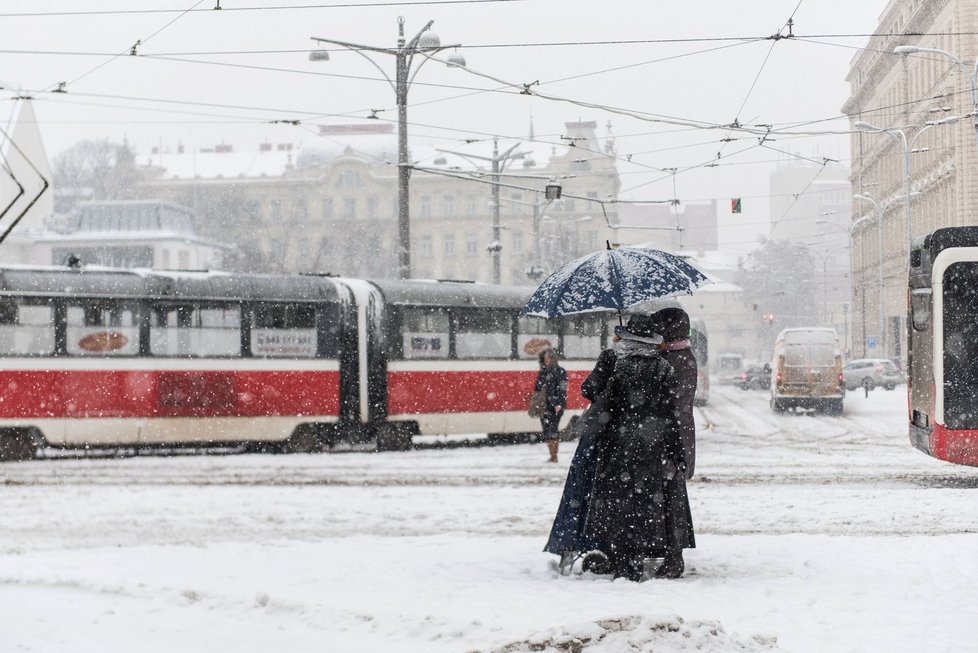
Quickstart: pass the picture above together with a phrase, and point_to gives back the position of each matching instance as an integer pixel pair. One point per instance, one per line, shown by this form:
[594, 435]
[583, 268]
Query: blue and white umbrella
[614, 279]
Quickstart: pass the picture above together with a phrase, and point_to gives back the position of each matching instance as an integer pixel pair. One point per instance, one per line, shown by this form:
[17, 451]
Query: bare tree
[94, 169]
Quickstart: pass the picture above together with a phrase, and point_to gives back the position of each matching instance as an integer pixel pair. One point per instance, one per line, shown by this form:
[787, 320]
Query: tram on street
[107, 358]
[942, 336]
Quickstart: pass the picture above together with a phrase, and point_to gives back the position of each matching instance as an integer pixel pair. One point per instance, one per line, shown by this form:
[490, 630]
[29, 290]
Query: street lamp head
[429, 40]
[906, 49]
[863, 126]
[455, 60]
[319, 55]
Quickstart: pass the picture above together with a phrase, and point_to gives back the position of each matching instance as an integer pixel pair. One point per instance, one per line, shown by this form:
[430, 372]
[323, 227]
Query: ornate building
[907, 102]
[330, 205]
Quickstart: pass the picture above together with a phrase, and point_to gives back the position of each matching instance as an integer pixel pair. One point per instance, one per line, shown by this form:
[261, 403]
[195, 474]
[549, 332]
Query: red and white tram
[942, 336]
[139, 358]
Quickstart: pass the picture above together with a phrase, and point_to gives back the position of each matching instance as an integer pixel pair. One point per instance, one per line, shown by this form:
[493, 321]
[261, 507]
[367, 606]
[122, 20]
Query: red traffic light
[769, 317]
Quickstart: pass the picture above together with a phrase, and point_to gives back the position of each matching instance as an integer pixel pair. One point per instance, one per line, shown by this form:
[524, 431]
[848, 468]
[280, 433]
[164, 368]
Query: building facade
[124, 234]
[330, 205]
[902, 109]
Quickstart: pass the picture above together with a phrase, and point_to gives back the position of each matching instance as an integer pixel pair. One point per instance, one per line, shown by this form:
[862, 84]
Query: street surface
[808, 527]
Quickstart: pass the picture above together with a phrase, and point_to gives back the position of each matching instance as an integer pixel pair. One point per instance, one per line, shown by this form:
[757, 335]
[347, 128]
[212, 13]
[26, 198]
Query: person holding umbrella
[638, 505]
[552, 381]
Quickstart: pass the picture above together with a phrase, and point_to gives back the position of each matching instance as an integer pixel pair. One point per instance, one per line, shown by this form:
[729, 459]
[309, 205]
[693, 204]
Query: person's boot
[566, 564]
[672, 565]
[596, 562]
[629, 569]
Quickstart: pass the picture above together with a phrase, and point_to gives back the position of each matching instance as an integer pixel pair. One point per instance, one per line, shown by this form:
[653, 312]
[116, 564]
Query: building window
[470, 205]
[301, 211]
[373, 205]
[275, 207]
[327, 208]
[471, 244]
[448, 206]
[449, 245]
[350, 179]
[425, 211]
[427, 247]
[350, 208]
[517, 243]
[515, 203]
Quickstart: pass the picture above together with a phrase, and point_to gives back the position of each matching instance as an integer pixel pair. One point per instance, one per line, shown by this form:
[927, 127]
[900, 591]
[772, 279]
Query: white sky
[705, 76]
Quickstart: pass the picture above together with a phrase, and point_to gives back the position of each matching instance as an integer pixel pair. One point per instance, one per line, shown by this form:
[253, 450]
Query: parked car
[729, 368]
[871, 372]
[756, 377]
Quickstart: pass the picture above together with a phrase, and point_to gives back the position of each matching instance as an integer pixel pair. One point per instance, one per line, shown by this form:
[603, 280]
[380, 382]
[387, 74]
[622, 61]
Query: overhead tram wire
[349, 5]
[132, 50]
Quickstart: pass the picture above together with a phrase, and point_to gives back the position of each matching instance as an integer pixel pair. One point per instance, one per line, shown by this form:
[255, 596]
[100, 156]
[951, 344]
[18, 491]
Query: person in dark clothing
[567, 537]
[673, 324]
[638, 506]
[552, 380]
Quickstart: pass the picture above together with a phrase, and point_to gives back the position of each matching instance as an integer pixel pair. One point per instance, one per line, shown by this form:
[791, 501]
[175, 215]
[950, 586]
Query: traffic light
[769, 317]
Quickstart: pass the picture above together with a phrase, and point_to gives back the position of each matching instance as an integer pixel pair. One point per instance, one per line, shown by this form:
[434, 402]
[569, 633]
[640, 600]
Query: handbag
[538, 403]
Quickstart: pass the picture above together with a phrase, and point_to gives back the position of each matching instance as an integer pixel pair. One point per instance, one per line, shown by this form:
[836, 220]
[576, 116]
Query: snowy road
[438, 550]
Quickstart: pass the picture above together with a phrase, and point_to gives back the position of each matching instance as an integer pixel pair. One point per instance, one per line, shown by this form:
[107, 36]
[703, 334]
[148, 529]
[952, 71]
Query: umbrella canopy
[613, 279]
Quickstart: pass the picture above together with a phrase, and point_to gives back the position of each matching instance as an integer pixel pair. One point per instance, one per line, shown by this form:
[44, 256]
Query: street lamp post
[498, 163]
[880, 210]
[973, 79]
[424, 43]
[850, 230]
[900, 136]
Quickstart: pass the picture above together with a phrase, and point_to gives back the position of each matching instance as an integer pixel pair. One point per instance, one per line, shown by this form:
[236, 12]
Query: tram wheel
[393, 437]
[17, 445]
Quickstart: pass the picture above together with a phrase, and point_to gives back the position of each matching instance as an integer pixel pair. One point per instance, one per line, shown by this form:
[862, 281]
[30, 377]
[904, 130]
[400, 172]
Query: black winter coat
[684, 365]
[635, 509]
[553, 381]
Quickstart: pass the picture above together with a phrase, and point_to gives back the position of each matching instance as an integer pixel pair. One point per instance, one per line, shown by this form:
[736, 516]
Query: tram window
[103, 329]
[920, 299]
[424, 333]
[8, 312]
[26, 329]
[195, 330]
[582, 336]
[961, 345]
[483, 334]
[284, 331]
[535, 333]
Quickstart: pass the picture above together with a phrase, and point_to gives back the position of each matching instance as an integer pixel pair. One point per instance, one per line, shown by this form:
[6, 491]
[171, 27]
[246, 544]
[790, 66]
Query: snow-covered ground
[814, 534]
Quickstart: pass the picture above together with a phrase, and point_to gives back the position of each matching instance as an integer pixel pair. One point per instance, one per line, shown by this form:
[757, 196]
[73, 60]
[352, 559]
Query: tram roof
[246, 287]
[60, 280]
[423, 292]
[92, 281]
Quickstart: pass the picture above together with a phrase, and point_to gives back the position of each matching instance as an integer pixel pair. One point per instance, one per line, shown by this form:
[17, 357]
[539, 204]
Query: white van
[807, 370]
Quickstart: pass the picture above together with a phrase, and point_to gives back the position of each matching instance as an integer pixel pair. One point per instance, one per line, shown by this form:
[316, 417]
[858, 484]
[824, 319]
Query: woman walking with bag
[552, 382]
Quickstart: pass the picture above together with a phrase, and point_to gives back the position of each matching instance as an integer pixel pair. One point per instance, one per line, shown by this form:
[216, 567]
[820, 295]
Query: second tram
[942, 336]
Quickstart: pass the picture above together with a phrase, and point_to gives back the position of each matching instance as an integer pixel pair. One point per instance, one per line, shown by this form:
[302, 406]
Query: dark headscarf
[672, 323]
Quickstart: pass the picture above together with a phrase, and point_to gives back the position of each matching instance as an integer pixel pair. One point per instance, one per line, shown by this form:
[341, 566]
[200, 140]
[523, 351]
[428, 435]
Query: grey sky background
[204, 77]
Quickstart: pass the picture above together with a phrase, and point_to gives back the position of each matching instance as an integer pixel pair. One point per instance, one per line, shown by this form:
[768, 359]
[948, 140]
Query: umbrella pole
[620, 323]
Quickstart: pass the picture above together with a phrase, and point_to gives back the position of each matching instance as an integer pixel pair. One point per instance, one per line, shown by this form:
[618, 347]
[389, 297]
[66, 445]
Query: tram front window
[961, 345]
